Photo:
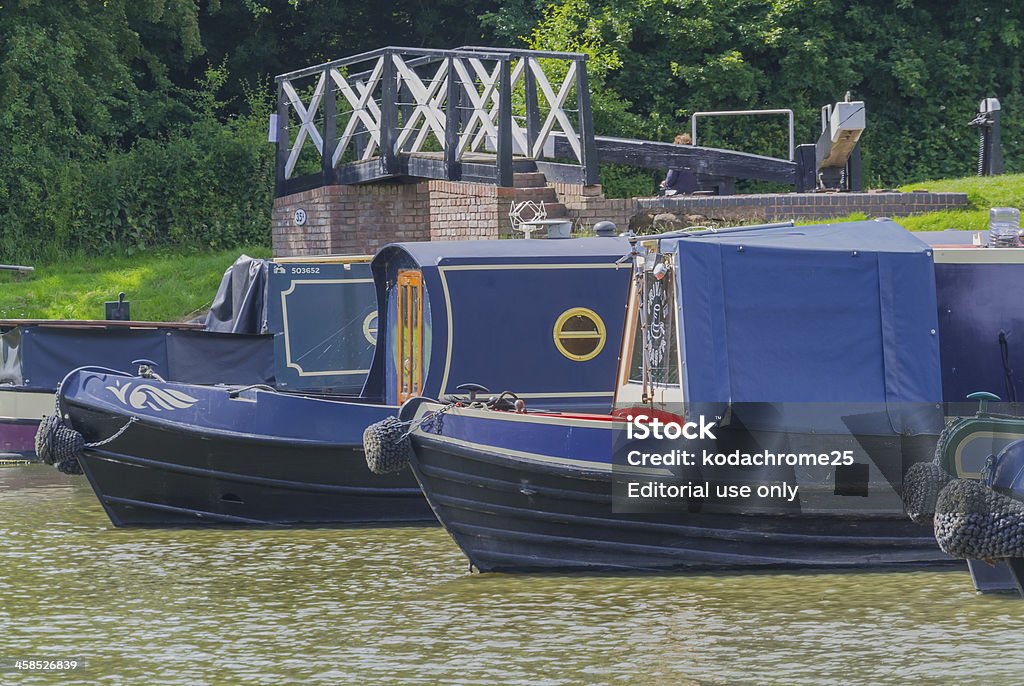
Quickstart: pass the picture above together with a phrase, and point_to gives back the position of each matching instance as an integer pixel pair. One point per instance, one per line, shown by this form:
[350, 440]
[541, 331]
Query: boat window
[662, 351]
[410, 334]
[579, 334]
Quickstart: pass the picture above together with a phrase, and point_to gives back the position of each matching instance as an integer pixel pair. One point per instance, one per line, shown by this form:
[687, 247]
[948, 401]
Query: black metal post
[282, 141]
[388, 116]
[504, 142]
[532, 106]
[854, 180]
[451, 123]
[330, 132]
[806, 163]
[588, 147]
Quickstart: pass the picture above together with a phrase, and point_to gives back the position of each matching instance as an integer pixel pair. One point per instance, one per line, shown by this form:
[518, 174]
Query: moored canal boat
[794, 339]
[192, 455]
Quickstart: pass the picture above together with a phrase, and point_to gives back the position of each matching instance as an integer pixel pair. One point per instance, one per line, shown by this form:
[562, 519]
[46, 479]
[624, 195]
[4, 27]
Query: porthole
[370, 328]
[579, 334]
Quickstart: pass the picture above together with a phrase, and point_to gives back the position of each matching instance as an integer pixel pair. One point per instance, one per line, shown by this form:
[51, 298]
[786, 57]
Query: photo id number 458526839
[42, 665]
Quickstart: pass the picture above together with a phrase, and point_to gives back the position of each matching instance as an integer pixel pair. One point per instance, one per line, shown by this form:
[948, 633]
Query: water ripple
[386, 606]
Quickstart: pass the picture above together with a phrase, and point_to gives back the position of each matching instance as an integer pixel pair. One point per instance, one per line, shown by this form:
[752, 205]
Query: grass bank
[983, 193]
[160, 287]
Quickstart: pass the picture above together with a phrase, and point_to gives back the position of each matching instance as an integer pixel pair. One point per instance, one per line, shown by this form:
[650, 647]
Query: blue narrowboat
[791, 342]
[543, 316]
[293, 324]
[981, 322]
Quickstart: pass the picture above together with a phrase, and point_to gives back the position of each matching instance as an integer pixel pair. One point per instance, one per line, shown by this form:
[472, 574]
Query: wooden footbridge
[473, 114]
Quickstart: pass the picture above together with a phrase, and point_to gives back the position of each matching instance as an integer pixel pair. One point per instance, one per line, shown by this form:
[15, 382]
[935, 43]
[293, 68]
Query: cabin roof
[438, 253]
[873, 235]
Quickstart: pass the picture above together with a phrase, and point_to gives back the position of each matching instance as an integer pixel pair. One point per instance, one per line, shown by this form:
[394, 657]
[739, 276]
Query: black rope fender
[59, 445]
[921, 487]
[976, 523]
[387, 445]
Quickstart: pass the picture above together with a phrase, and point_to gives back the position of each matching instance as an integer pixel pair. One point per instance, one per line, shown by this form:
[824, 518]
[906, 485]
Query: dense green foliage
[160, 286]
[920, 67]
[105, 151]
[133, 124]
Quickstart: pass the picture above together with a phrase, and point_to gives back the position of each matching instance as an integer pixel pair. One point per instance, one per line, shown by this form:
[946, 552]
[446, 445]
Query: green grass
[983, 193]
[160, 287]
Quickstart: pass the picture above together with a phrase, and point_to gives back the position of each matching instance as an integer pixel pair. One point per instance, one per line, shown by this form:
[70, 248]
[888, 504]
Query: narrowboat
[36, 354]
[302, 325]
[981, 325]
[817, 341]
[544, 316]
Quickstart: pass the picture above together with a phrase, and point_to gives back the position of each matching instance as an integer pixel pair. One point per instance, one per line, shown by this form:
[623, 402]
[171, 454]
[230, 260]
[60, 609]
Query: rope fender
[974, 522]
[387, 445]
[59, 445]
[921, 487]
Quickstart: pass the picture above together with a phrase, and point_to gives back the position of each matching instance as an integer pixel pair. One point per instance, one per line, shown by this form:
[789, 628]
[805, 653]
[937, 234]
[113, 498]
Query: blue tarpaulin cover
[840, 313]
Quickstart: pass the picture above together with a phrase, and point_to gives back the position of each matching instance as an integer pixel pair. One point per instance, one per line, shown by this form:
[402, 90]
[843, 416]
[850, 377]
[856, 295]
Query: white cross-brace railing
[406, 101]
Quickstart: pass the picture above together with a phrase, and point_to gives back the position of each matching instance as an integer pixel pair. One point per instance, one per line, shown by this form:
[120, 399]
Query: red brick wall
[356, 220]
[463, 211]
[351, 220]
[360, 219]
[586, 205]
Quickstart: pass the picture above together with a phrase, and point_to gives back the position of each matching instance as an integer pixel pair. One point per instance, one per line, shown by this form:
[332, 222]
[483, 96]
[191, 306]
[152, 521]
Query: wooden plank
[451, 123]
[505, 177]
[589, 159]
[711, 161]
[330, 141]
[282, 141]
[532, 106]
[555, 172]
[388, 115]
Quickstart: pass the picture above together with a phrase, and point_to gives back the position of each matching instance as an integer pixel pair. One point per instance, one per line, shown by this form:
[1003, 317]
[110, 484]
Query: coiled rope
[387, 444]
[59, 445]
[974, 522]
[971, 521]
[921, 487]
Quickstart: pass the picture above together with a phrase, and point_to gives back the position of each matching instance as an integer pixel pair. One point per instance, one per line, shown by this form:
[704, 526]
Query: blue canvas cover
[840, 313]
[38, 357]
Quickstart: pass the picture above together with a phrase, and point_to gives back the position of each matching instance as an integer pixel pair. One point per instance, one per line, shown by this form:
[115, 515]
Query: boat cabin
[542, 318]
[780, 314]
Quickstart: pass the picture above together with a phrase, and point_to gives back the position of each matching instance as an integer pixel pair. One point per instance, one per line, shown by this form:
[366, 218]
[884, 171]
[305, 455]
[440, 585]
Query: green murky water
[397, 606]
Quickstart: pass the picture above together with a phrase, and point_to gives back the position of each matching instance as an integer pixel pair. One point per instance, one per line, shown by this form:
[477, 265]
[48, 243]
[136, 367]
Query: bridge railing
[363, 117]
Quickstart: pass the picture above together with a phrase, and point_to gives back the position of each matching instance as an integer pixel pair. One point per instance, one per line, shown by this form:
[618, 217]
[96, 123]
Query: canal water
[398, 606]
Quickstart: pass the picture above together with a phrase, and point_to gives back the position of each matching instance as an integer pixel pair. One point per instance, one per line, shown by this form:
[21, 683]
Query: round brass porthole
[579, 334]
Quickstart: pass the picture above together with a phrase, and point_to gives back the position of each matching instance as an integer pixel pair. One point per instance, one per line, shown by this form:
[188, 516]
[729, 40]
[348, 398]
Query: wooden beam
[504, 143]
[588, 147]
[711, 161]
[452, 122]
[282, 141]
[388, 116]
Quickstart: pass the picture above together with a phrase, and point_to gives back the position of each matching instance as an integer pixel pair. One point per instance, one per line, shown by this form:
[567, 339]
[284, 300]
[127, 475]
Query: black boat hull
[513, 515]
[156, 475]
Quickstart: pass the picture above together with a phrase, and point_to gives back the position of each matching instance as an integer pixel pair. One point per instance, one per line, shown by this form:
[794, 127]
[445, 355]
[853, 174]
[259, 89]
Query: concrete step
[528, 179]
